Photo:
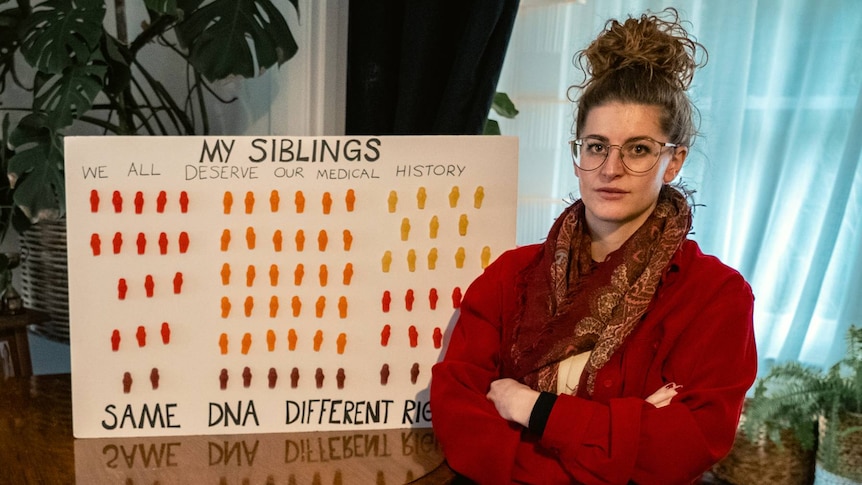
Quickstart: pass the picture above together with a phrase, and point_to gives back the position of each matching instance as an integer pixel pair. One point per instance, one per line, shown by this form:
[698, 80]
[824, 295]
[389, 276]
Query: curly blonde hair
[649, 60]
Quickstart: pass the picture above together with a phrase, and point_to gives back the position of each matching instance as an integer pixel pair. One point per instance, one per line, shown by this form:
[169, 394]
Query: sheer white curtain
[778, 165]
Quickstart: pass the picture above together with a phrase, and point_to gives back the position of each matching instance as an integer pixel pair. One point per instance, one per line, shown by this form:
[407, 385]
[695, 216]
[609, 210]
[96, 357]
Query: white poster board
[272, 284]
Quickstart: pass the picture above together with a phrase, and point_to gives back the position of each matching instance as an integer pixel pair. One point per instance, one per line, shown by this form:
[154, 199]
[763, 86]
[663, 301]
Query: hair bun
[660, 47]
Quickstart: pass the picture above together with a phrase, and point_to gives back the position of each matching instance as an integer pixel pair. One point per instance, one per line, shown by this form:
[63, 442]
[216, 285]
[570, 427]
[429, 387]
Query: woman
[615, 351]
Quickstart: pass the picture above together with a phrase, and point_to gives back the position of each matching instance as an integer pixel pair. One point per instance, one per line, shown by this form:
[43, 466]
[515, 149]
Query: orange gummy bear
[227, 201]
[291, 339]
[248, 306]
[296, 305]
[277, 240]
[225, 274]
[249, 202]
[341, 342]
[270, 340]
[298, 273]
[326, 202]
[273, 306]
[273, 275]
[225, 239]
[348, 239]
[318, 340]
[322, 240]
[350, 200]
[250, 237]
[225, 307]
[299, 201]
[319, 306]
[246, 343]
[347, 274]
[342, 307]
[300, 240]
[323, 275]
[274, 199]
[250, 274]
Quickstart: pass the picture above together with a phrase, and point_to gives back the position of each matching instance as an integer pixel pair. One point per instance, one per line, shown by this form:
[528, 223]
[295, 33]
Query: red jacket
[698, 333]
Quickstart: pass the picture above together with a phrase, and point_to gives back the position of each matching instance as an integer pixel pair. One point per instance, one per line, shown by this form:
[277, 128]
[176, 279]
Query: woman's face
[618, 201]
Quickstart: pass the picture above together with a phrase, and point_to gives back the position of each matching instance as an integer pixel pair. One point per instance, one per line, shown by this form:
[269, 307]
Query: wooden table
[37, 446]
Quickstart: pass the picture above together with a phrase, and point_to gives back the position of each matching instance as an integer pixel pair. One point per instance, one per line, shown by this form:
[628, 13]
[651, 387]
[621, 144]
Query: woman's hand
[663, 396]
[513, 400]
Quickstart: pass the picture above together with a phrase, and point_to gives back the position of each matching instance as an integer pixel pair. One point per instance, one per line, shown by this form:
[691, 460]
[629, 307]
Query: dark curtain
[424, 67]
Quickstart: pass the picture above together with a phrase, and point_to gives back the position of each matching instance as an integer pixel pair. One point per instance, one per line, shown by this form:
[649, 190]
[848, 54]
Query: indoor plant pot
[791, 394]
[760, 460]
[839, 461]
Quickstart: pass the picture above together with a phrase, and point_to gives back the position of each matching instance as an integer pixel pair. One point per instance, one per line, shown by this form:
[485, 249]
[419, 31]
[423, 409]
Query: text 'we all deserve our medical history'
[284, 158]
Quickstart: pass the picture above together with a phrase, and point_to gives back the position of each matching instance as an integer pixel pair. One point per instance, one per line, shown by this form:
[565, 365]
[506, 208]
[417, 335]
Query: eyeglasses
[638, 155]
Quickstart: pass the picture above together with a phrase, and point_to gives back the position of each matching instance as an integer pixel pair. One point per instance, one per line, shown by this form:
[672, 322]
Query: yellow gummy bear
[478, 197]
[459, 258]
[387, 261]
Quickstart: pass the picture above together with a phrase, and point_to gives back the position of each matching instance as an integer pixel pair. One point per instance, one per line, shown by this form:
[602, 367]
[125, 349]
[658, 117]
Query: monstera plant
[70, 66]
[77, 71]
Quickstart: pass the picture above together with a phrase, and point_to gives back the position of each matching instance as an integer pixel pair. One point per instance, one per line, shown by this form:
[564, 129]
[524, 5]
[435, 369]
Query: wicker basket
[762, 462]
[845, 467]
[44, 277]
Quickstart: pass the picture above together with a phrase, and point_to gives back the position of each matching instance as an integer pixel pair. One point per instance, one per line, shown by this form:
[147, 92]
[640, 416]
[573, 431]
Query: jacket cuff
[541, 412]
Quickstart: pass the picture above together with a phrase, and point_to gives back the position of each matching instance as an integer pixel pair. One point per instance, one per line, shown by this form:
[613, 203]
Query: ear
[577, 170]
[675, 164]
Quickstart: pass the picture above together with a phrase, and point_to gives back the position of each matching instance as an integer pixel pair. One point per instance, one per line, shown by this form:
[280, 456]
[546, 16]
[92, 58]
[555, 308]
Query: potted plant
[791, 395]
[777, 450]
[87, 75]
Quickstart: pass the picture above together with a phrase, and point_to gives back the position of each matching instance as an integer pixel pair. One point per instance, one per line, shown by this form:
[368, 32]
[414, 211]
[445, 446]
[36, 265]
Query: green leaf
[32, 129]
[40, 193]
[168, 7]
[491, 128]
[37, 168]
[236, 37]
[60, 33]
[70, 95]
[504, 106]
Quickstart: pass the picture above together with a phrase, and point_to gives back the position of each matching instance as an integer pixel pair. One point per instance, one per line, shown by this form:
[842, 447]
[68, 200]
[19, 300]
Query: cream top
[569, 373]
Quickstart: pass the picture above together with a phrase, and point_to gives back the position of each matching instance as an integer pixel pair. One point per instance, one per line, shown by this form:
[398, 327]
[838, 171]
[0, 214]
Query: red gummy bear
[161, 201]
[94, 200]
[387, 300]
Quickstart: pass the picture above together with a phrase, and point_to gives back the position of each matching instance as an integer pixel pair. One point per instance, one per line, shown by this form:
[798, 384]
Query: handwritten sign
[251, 284]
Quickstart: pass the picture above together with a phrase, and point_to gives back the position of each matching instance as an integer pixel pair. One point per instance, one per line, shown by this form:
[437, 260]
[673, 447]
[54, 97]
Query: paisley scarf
[569, 304]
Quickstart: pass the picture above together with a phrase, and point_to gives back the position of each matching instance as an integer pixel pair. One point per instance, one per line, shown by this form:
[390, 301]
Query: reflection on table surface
[382, 457]
[38, 447]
